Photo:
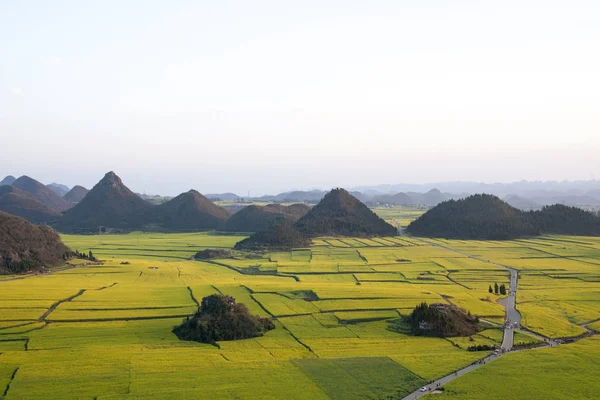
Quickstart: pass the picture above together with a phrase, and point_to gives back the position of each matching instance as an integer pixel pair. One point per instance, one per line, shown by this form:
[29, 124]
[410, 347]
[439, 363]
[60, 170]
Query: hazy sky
[273, 95]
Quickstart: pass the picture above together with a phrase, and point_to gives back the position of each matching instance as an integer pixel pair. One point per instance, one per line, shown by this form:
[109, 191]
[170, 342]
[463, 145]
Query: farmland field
[402, 214]
[105, 331]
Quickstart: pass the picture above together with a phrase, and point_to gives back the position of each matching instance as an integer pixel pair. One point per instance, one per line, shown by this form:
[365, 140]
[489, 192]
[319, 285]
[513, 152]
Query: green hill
[189, 211]
[480, 216]
[341, 214]
[109, 204]
[282, 235]
[565, 220]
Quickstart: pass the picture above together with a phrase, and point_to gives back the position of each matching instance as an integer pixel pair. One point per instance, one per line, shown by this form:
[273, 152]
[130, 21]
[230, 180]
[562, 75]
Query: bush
[481, 347]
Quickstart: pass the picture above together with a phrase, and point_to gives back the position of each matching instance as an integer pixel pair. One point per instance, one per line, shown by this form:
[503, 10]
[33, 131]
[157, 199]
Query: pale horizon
[271, 97]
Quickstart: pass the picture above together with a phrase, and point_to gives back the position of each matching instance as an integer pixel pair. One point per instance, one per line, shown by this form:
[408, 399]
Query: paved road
[513, 319]
[441, 382]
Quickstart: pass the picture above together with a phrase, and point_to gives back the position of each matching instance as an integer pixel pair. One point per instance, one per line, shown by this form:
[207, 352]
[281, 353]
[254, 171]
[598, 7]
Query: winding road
[513, 321]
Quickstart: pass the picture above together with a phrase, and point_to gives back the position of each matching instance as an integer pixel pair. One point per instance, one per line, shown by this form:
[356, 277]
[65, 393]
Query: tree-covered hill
[480, 216]
[565, 220]
[341, 214]
[280, 236]
[486, 217]
[24, 246]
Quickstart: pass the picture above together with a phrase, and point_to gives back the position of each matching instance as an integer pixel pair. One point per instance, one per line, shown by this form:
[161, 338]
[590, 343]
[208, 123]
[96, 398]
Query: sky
[265, 96]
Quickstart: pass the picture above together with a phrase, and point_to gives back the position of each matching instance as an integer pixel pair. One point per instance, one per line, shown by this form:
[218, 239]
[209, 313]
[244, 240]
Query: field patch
[360, 378]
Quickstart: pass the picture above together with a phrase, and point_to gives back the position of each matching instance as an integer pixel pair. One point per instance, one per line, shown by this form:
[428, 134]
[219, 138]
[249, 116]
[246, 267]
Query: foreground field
[104, 331]
[565, 372]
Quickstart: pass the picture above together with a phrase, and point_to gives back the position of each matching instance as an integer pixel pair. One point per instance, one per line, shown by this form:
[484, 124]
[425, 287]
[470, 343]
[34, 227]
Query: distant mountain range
[523, 195]
[112, 206]
[41, 192]
[22, 204]
[121, 209]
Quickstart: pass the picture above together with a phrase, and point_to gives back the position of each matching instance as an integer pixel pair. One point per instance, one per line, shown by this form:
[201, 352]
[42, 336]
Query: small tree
[496, 287]
[502, 289]
[91, 256]
[490, 289]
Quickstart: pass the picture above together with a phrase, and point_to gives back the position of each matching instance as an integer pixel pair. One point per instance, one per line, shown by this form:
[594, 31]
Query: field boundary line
[70, 321]
[58, 303]
[307, 347]
[193, 297]
[12, 377]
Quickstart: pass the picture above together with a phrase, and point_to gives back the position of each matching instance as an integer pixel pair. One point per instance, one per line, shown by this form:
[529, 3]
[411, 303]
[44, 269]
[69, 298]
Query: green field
[403, 215]
[104, 331]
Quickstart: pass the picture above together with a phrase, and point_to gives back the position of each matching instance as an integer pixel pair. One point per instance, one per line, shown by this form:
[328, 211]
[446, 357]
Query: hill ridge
[41, 192]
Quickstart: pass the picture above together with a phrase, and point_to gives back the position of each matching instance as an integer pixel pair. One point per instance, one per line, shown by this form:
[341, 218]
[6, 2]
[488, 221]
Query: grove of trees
[220, 318]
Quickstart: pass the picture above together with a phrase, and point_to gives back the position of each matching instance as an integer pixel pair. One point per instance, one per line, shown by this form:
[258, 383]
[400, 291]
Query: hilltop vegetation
[484, 217]
[479, 216]
[565, 220]
[220, 318]
[24, 246]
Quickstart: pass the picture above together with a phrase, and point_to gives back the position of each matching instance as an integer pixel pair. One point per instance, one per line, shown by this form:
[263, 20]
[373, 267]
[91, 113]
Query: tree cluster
[498, 289]
[89, 256]
[481, 347]
[220, 318]
[433, 320]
